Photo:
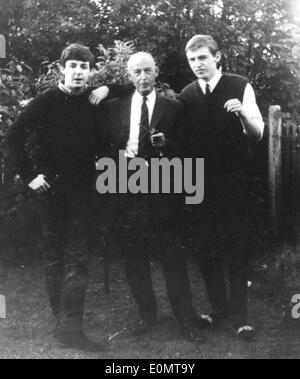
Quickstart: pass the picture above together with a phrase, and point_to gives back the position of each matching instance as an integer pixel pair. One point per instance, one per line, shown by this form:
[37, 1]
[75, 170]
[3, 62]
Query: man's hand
[235, 106]
[99, 95]
[252, 123]
[39, 185]
[158, 140]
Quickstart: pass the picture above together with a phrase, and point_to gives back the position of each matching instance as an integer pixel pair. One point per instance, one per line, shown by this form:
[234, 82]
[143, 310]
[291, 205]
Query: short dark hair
[77, 52]
[201, 40]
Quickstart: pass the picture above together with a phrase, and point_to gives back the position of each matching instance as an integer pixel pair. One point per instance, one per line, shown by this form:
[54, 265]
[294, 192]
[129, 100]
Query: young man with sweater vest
[223, 117]
[68, 138]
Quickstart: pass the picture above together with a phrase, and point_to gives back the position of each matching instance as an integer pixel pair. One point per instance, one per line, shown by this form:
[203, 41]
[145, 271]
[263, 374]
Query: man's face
[76, 73]
[203, 63]
[143, 73]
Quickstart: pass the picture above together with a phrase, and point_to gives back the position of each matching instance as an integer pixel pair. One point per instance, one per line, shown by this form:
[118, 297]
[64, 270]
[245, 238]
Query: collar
[212, 83]
[150, 98]
[65, 90]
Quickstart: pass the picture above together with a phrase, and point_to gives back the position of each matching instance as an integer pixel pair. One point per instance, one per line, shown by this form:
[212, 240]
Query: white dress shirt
[135, 119]
[249, 99]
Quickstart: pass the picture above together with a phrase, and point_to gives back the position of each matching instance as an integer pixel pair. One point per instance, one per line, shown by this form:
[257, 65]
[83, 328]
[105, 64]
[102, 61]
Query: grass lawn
[27, 331]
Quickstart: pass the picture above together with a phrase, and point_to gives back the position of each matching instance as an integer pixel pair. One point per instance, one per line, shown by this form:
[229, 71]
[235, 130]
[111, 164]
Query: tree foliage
[15, 85]
[37, 30]
[257, 37]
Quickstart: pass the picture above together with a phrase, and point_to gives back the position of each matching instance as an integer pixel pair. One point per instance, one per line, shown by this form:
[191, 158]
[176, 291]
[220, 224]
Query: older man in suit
[145, 124]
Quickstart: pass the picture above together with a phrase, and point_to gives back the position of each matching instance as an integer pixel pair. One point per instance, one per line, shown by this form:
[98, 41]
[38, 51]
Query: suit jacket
[167, 118]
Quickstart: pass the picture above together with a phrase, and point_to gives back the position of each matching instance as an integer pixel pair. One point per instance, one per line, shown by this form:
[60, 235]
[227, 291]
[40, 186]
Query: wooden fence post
[275, 160]
[291, 176]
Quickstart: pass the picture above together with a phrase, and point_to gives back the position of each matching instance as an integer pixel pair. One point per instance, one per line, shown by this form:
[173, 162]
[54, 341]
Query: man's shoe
[142, 327]
[193, 333]
[213, 320]
[246, 333]
[78, 340]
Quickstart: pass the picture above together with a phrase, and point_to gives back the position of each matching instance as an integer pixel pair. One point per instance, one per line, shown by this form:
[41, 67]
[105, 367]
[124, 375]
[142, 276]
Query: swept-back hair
[201, 40]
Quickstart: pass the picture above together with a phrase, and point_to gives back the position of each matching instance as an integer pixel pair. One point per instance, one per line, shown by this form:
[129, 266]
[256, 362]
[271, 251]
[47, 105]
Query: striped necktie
[144, 127]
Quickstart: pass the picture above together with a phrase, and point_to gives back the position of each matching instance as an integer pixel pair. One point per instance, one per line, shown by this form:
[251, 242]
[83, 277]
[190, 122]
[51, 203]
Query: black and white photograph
[149, 182]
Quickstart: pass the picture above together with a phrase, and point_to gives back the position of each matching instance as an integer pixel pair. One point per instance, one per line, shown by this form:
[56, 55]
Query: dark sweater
[211, 132]
[68, 135]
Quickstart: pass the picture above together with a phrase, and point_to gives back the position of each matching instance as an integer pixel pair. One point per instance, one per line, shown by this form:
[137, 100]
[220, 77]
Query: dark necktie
[144, 128]
[207, 92]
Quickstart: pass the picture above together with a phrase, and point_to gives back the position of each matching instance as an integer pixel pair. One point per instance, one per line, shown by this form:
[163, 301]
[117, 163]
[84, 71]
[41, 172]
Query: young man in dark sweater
[223, 117]
[68, 137]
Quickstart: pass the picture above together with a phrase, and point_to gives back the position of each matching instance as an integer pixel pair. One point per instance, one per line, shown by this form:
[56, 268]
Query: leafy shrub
[15, 87]
[112, 62]
[49, 76]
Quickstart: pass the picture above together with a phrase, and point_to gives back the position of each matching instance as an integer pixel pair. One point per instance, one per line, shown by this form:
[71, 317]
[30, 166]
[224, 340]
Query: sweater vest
[212, 133]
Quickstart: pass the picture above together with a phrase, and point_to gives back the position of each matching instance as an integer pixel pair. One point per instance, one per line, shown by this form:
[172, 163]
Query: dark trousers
[226, 231]
[231, 303]
[66, 217]
[142, 220]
